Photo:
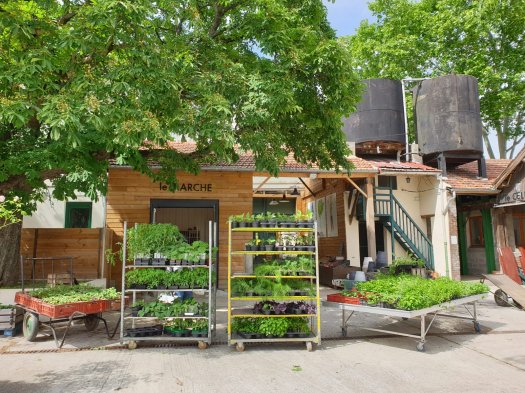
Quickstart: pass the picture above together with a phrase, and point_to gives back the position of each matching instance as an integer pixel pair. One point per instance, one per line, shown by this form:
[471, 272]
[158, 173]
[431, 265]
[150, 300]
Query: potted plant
[257, 219]
[177, 328]
[252, 245]
[136, 307]
[269, 245]
[248, 220]
[247, 327]
[299, 244]
[199, 328]
[309, 241]
[273, 327]
[272, 220]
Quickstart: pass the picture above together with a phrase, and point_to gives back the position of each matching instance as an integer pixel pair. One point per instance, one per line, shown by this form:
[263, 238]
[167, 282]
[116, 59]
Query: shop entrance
[190, 216]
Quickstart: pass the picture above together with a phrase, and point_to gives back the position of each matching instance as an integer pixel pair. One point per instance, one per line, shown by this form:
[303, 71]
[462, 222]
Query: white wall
[433, 202]
[52, 213]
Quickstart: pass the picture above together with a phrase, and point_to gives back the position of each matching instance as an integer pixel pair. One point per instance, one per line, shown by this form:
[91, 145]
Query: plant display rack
[129, 333]
[440, 310]
[237, 305]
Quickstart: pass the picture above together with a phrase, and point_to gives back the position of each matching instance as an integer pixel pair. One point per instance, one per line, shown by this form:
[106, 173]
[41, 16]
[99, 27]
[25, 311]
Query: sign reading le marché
[193, 187]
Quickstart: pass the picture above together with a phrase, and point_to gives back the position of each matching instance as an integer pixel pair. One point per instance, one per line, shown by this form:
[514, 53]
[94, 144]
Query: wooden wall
[84, 244]
[331, 246]
[129, 195]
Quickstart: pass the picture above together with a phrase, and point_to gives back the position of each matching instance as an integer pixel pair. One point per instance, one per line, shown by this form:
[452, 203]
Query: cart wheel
[202, 345]
[239, 347]
[309, 346]
[30, 326]
[501, 298]
[132, 344]
[421, 347]
[91, 322]
[477, 327]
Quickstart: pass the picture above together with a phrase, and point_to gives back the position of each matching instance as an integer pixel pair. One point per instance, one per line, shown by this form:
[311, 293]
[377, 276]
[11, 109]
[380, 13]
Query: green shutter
[489, 240]
[462, 241]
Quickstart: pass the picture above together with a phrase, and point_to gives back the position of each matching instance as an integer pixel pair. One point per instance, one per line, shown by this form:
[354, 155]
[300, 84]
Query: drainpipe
[444, 212]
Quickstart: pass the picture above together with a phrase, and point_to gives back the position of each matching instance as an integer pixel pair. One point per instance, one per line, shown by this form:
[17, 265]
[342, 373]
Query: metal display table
[434, 311]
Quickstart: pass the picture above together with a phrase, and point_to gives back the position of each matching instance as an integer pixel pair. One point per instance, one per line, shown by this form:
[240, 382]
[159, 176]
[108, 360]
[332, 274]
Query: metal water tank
[379, 116]
[447, 115]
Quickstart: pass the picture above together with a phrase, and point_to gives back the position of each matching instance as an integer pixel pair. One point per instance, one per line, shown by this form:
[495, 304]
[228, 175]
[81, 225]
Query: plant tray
[64, 310]
[338, 298]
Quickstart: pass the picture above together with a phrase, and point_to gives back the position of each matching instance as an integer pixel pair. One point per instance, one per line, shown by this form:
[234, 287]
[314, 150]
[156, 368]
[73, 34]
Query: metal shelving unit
[203, 342]
[242, 311]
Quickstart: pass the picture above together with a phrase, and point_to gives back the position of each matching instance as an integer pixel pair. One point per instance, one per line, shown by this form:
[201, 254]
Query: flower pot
[264, 224]
[243, 224]
[235, 224]
[254, 248]
[137, 286]
[279, 248]
[256, 224]
[173, 287]
[272, 223]
[269, 247]
[199, 333]
[162, 287]
[247, 247]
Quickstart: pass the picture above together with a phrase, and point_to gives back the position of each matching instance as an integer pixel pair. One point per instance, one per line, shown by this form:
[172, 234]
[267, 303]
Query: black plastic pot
[235, 224]
[269, 247]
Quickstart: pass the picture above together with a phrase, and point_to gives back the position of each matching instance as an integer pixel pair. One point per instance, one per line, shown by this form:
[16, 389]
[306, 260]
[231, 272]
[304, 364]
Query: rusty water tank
[379, 117]
[447, 115]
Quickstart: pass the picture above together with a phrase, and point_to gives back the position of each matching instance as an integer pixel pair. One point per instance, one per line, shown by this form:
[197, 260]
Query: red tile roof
[465, 177]
[247, 161]
[389, 165]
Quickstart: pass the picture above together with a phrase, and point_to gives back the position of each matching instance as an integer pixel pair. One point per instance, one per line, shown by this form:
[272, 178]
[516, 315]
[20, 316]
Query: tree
[85, 81]
[484, 39]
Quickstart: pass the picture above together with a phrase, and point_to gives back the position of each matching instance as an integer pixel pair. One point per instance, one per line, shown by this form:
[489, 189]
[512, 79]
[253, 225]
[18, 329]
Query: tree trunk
[10, 253]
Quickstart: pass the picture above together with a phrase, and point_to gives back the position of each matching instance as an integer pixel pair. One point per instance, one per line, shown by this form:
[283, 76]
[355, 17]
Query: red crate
[28, 301]
[338, 298]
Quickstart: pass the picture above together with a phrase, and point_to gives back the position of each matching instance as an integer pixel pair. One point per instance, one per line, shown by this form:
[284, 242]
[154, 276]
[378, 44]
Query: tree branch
[20, 182]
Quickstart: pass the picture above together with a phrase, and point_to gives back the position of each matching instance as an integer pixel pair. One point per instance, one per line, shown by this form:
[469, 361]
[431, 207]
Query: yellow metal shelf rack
[235, 311]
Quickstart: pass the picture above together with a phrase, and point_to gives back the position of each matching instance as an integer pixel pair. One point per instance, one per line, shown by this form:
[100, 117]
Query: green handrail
[403, 227]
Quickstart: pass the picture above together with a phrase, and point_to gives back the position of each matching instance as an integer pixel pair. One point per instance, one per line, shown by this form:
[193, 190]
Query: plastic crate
[338, 298]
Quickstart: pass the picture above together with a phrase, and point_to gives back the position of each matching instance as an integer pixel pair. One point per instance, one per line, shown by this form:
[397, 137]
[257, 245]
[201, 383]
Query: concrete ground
[456, 360]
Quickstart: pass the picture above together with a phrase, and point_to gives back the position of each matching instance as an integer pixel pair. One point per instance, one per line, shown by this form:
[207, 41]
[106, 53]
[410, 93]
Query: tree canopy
[485, 39]
[83, 81]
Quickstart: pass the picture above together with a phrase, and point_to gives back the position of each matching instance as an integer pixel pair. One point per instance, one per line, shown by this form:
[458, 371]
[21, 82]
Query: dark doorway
[363, 240]
[192, 217]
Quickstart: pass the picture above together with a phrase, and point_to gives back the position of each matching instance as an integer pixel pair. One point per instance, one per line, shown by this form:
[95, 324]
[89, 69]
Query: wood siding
[331, 246]
[84, 244]
[129, 195]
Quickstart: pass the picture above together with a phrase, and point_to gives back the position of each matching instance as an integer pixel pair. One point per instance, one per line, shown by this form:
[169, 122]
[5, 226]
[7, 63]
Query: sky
[345, 15]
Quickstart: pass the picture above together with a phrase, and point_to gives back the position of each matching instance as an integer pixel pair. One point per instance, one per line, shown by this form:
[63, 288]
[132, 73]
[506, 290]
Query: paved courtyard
[456, 360]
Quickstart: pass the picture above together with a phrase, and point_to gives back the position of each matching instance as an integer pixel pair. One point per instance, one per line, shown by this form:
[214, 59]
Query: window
[78, 215]
[387, 181]
[428, 226]
[476, 231]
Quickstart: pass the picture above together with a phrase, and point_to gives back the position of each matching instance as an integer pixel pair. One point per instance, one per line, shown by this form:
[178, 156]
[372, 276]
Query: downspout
[445, 229]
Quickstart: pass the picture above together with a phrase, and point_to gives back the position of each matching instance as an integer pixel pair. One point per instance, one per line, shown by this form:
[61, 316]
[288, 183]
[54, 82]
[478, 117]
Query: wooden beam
[353, 183]
[275, 196]
[370, 220]
[262, 184]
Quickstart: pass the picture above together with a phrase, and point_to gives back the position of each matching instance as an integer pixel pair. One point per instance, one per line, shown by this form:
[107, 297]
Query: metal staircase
[402, 227]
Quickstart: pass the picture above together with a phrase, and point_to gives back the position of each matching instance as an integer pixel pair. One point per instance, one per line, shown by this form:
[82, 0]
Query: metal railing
[402, 227]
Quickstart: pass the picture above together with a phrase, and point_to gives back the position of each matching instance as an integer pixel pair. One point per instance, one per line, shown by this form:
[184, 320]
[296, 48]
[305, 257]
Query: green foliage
[62, 294]
[408, 292]
[287, 267]
[152, 278]
[178, 308]
[438, 37]
[85, 81]
[273, 326]
[200, 325]
[146, 239]
[408, 261]
[270, 326]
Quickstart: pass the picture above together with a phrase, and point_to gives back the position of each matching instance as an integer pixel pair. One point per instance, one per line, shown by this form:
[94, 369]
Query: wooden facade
[130, 193]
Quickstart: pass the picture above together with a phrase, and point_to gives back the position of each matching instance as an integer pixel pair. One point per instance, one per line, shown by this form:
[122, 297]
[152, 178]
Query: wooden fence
[85, 245]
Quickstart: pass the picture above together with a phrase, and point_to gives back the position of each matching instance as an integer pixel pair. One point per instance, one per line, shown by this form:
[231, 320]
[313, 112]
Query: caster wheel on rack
[404, 318]
[309, 346]
[202, 345]
[91, 322]
[239, 347]
[30, 326]
[421, 347]
[477, 327]
[132, 345]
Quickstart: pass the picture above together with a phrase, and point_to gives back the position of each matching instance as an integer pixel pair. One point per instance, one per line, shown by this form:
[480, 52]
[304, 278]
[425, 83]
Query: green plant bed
[407, 292]
[63, 294]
